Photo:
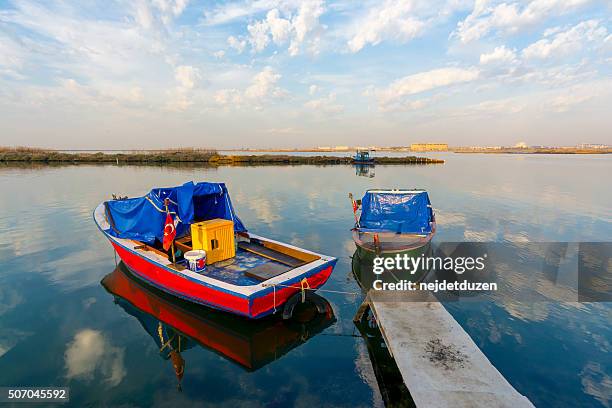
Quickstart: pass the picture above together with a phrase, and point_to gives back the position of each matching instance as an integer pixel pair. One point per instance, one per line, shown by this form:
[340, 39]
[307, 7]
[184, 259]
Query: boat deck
[234, 270]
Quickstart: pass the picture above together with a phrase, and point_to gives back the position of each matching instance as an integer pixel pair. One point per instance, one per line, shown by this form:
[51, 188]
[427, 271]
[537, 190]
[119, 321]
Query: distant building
[341, 148]
[592, 146]
[429, 147]
[521, 145]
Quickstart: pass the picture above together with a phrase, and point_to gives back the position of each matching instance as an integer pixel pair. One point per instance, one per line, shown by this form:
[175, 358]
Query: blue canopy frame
[402, 212]
[143, 218]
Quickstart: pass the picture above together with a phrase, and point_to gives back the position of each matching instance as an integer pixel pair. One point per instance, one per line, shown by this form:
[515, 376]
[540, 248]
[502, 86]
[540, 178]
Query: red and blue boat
[262, 278]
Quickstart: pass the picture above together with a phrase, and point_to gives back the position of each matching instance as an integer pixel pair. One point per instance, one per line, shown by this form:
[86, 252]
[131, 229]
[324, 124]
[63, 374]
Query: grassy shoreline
[206, 157]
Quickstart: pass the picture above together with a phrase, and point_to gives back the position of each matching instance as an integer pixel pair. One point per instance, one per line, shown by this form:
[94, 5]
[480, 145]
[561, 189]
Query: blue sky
[283, 73]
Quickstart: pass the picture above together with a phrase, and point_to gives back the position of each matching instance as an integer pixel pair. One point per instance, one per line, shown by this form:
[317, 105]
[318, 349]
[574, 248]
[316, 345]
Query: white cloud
[563, 103]
[537, 104]
[263, 88]
[306, 20]
[12, 57]
[327, 104]
[280, 28]
[182, 97]
[264, 85]
[231, 11]
[148, 13]
[497, 107]
[301, 19]
[186, 76]
[567, 42]
[425, 81]
[89, 352]
[498, 55]
[510, 17]
[313, 89]
[238, 44]
[392, 20]
[228, 97]
[219, 54]
[258, 35]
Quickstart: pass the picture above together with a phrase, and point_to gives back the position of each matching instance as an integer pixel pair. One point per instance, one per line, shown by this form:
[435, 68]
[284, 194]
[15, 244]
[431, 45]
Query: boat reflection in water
[365, 170]
[363, 270]
[390, 382]
[177, 326]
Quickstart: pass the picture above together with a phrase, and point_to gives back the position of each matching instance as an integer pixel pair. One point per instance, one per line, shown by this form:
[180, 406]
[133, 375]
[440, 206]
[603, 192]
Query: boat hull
[367, 253]
[253, 305]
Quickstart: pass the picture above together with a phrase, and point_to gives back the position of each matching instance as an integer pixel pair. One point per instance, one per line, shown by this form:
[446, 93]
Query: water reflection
[176, 326]
[365, 170]
[363, 270]
[53, 258]
[389, 379]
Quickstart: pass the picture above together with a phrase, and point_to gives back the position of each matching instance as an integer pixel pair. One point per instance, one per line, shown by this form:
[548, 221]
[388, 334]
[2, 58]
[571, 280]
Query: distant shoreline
[194, 156]
[488, 150]
[531, 150]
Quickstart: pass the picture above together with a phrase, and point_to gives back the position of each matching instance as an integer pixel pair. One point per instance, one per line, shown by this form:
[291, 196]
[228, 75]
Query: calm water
[59, 327]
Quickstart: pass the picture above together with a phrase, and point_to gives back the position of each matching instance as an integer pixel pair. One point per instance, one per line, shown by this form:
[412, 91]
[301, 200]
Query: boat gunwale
[408, 246]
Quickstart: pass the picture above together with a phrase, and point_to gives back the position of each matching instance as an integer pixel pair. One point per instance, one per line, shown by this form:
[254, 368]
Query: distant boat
[393, 222]
[259, 277]
[363, 157]
[176, 325]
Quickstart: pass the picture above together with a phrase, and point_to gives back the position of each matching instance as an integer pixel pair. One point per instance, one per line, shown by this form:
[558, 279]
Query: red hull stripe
[258, 305]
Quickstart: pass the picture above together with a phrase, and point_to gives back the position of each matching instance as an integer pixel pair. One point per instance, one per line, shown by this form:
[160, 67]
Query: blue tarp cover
[143, 218]
[400, 212]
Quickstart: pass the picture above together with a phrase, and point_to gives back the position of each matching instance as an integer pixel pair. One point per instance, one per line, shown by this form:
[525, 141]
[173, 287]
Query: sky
[282, 73]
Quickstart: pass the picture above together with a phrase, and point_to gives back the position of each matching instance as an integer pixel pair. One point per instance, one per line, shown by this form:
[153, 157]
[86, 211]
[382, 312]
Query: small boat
[363, 157]
[245, 274]
[177, 326]
[393, 222]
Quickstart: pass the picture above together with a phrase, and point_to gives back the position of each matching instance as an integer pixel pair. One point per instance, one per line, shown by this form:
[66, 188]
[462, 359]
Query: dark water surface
[60, 327]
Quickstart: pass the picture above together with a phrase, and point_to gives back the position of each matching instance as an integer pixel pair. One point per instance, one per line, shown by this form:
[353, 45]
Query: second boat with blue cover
[393, 222]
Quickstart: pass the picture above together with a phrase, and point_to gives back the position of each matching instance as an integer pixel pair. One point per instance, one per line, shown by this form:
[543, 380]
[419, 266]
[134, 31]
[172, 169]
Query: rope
[162, 211]
[267, 285]
[160, 334]
[274, 304]
[161, 339]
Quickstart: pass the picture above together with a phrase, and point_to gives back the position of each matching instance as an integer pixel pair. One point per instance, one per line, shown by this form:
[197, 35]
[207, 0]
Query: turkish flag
[169, 232]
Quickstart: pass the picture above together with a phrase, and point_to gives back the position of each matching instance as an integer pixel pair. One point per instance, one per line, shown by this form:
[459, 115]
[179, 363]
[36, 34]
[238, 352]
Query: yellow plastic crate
[216, 237]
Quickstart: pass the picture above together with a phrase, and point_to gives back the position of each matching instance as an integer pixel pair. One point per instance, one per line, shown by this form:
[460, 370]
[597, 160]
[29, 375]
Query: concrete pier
[440, 364]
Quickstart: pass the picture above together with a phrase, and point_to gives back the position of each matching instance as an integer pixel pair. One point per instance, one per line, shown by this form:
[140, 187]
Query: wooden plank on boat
[271, 254]
[439, 362]
[267, 271]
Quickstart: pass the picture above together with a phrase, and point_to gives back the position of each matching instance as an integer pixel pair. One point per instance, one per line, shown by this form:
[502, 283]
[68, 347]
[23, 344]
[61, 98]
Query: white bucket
[196, 259]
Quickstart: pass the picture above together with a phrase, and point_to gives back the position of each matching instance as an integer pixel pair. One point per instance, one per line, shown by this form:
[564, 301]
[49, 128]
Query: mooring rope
[274, 301]
[274, 285]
